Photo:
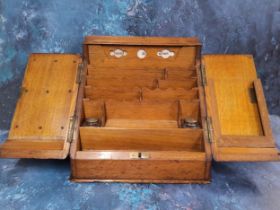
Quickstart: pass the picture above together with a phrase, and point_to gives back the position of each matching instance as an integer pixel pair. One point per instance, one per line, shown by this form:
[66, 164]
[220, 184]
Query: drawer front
[142, 56]
[144, 171]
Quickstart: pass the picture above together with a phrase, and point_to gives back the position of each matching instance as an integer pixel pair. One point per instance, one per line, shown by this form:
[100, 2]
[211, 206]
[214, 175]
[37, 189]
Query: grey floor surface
[44, 184]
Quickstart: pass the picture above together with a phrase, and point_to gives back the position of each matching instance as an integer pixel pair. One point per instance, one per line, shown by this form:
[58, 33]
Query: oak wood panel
[99, 56]
[140, 170]
[131, 123]
[121, 83]
[233, 77]
[248, 141]
[169, 94]
[186, 84]
[153, 155]
[144, 110]
[179, 74]
[41, 120]
[48, 97]
[34, 144]
[112, 93]
[138, 72]
[246, 154]
[133, 74]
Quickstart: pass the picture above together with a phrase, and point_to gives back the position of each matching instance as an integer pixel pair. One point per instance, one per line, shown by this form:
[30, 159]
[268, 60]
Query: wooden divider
[143, 109]
[141, 139]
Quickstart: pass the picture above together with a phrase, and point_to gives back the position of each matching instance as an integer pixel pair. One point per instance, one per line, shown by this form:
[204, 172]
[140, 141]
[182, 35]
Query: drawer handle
[118, 53]
[165, 53]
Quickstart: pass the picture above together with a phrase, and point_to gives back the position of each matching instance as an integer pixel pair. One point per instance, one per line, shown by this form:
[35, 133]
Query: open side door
[44, 116]
[238, 121]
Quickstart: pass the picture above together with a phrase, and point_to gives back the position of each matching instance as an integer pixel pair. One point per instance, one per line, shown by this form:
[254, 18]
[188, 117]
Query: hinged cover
[42, 123]
[241, 130]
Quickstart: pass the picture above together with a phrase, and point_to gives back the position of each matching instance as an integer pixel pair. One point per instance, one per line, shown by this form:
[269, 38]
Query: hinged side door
[238, 121]
[45, 112]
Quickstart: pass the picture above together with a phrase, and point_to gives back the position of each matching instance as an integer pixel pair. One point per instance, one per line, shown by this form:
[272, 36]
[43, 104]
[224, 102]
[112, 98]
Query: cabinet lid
[42, 123]
[238, 121]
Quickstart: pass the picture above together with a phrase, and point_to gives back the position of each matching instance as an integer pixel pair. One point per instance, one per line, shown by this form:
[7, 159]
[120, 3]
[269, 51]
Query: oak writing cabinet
[141, 109]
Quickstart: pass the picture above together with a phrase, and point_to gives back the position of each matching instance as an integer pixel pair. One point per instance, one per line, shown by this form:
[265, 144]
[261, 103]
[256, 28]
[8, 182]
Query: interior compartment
[113, 93]
[141, 139]
[134, 73]
[118, 73]
[169, 94]
[142, 114]
[142, 107]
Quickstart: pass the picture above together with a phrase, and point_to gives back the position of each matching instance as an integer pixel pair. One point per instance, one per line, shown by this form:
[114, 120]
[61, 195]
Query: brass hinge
[209, 129]
[79, 73]
[203, 75]
[71, 129]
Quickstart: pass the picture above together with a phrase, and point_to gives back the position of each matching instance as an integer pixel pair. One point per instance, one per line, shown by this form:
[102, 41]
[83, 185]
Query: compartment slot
[121, 83]
[186, 84]
[169, 94]
[141, 139]
[117, 94]
[133, 114]
[141, 110]
[110, 73]
[189, 110]
[95, 109]
[142, 114]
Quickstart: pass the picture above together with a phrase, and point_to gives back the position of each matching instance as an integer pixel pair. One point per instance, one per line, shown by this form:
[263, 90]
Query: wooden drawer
[156, 166]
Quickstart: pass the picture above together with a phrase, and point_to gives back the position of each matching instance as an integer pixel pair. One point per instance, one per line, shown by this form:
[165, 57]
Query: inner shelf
[141, 109]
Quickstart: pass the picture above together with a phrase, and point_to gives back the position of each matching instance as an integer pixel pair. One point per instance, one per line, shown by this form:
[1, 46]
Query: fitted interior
[142, 108]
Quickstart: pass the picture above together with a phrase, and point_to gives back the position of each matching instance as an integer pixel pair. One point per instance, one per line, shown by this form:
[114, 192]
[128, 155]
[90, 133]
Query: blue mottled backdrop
[239, 26]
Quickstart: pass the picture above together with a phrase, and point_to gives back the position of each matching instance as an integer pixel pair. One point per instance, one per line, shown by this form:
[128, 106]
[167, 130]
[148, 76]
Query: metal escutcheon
[165, 53]
[118, 53]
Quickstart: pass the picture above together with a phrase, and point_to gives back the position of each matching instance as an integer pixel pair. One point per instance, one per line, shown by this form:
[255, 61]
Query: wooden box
[141, 109]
